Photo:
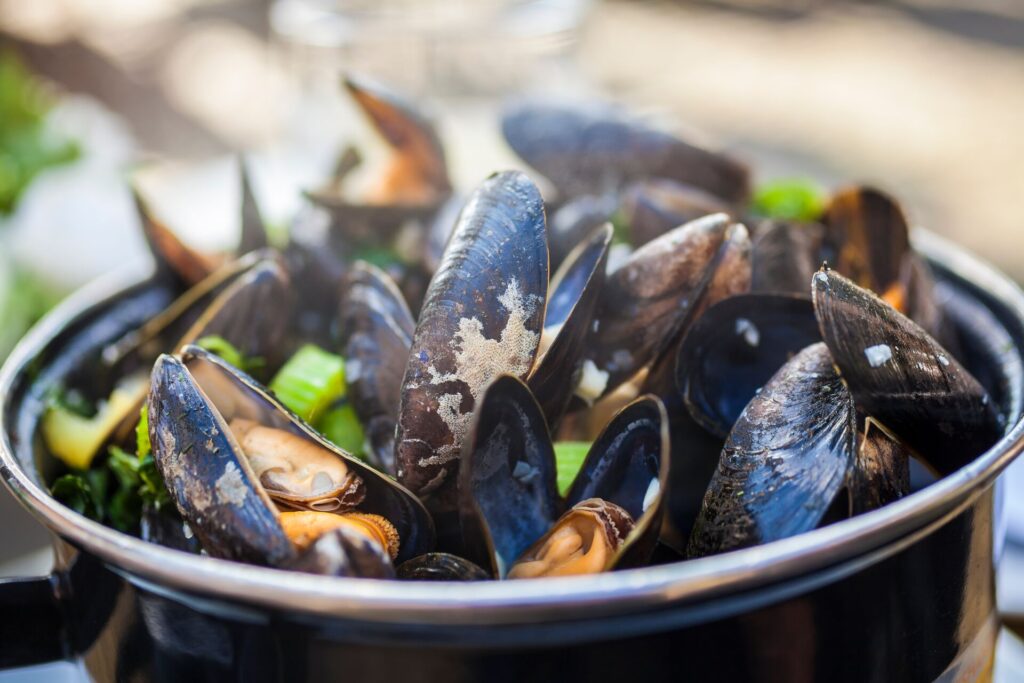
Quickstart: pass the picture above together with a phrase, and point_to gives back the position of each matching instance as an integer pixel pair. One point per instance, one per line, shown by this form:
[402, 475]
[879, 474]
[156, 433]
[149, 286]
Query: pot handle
[32, 628]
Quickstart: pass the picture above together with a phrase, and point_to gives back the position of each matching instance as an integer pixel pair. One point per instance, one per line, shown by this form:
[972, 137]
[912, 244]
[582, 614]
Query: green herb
[25, 146]
[74, 491]
[340, 425]
[569, 457]
[310, 381]
[620, 229]
[791, 199]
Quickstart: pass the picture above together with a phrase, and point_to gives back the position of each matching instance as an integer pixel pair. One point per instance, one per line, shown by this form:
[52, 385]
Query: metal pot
[902, 593]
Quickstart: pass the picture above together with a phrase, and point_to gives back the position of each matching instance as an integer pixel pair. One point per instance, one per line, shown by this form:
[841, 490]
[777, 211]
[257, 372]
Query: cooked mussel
[735, 348]
[785, 256]
[376, 329]
[902, 377]
[785, 460]
[515, 524]
[343, 551]
[591, 148]
[649, 300]
[483, 316]
[202, 417]
[412, 184]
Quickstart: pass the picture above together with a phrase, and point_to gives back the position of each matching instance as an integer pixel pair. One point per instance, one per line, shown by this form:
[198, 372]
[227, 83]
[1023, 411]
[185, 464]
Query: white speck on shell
[878, 355]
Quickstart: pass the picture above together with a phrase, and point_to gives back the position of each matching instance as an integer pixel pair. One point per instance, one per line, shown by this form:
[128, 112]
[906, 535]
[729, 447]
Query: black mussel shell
[735, 348]
[482, 317]
[343, 552]
[649, 299]
[211, 485]
[574, 221]
[251, 314]
[628, 465]
[785, 256]
[377, 329]
[204, 386]
[440, 567]
[575, 290]
[138, 348]
[650, 208]
[902, 377]
[881, 470]
[593, 148]
[507, 492]
[784, 462]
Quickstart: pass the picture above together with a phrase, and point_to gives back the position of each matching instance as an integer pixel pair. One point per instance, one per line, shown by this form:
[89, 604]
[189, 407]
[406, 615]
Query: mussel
[234, 459]
[514, 522]
[591, 148]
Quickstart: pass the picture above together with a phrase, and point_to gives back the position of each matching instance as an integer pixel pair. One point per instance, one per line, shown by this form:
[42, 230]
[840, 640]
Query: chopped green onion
[341, 426]
[142, 445]
[569, 457]
[792, 199]
[223, 348]
[310, 381]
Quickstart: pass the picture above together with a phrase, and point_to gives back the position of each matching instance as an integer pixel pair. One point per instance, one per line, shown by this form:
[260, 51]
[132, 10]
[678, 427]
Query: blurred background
[921, 97]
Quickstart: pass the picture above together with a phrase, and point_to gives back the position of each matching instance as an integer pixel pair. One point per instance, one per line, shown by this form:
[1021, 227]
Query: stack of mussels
[731, 389]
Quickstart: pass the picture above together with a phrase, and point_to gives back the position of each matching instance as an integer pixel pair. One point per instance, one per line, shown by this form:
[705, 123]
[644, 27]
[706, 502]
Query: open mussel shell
[138, 348]
[785, 256]
[507, 492]
[575, 290]
[509, 503]
[238, 306]
[342, 552]
[419, 172]
[440, 567]
[482, 317]
[412, 185]
[377, 329]
[650, 208]
[628, 465]
[902, 377]
[785, 460]
[867, 238]
[196, 406]
[593, 148]
[649, 299]
[735, 348]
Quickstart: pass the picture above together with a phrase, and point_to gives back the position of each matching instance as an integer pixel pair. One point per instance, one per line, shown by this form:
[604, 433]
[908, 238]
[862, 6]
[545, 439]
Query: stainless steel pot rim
[620, 593]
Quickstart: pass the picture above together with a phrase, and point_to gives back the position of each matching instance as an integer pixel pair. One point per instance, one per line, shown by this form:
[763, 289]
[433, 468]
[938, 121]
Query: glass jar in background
[459, 59]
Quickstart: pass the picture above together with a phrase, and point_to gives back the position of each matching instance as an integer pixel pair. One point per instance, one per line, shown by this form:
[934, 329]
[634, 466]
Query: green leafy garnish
[310, 382]
[569, 457]
[74, 491]
[791, 199]
[382, 257]
[25, 146]
[340, 425]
